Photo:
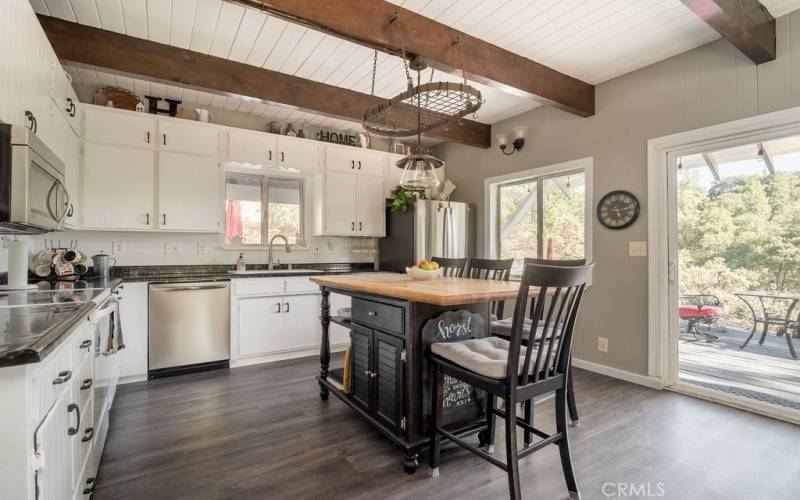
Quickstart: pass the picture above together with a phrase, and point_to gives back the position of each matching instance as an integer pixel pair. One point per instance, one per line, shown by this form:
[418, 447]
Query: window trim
[265, 178]
[491, 201]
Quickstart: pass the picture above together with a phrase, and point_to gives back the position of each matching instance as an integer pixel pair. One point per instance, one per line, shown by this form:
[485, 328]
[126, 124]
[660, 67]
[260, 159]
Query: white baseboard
[645, 380]
[280, 356]
[132, 378]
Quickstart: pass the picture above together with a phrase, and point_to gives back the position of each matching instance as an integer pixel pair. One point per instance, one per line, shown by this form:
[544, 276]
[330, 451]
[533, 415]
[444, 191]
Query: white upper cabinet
[118, 187]
[185, 136]
[190, 192]
[338, 206]
[258, 148]
[299, 154]
[355, 160]
[119, 127]
[370, 206]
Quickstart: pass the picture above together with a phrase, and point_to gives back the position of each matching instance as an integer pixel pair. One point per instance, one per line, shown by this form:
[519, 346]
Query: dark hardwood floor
[262, 432]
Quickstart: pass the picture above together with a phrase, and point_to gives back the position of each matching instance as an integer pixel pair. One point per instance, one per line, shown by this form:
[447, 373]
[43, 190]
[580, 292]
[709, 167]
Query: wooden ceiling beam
[370, 23]
[137, 57]
[746, 24]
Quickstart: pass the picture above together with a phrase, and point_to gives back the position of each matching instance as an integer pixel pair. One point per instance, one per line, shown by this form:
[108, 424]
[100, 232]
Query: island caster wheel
[410, 462]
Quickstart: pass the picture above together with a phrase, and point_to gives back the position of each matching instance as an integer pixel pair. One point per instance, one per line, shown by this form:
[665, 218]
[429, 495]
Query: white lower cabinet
[190, 192]
[133, 311]
[53, 450]
[118, 187]
[278, 324]
[48, 417]
[278, 318]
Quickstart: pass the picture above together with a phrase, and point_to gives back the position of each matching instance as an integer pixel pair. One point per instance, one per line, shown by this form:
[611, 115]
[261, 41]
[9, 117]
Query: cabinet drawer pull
[270, 154]
[88, 434]
[90, 483]
[165, 139]
[85, 344]
[287, 307]
[282, 157]
[148, 137]
[279, 308]
[359, 164]
[71, 431]
[359, 226]
[372, 313]
[87, 383]
[62, 377]
[147, 218]
[164, 218]
[69, 107]
[352, 226]
[352, 164]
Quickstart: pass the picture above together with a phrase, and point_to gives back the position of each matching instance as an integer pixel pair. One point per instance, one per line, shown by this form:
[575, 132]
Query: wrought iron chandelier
[417, 109]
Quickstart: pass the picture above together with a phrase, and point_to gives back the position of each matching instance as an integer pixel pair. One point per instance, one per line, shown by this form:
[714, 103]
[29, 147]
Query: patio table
[766, 319]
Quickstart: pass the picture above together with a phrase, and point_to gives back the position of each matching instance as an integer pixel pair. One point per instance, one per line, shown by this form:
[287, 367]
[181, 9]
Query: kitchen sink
[277, 271]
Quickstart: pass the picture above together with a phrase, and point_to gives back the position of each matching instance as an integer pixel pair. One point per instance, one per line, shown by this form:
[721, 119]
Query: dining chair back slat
[451, 268]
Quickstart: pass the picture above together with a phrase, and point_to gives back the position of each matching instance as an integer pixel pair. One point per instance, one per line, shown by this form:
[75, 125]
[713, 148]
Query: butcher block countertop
[441, 291]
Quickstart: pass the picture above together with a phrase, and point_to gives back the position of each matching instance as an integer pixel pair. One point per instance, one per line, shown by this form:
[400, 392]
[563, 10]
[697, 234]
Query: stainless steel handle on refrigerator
[189, 288]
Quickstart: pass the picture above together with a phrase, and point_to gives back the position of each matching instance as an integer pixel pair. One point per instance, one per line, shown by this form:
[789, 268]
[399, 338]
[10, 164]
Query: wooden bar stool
[509, 370]
[451, 268]
[502, 328]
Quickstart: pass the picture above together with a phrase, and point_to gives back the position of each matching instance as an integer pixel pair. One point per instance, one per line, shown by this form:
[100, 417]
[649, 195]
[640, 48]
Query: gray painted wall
[709, 85]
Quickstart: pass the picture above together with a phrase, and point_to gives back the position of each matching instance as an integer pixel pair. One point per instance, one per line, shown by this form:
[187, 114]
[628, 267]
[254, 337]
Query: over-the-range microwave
[33, 196]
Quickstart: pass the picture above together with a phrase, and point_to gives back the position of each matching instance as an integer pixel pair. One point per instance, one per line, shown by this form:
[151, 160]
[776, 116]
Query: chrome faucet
[270, 265]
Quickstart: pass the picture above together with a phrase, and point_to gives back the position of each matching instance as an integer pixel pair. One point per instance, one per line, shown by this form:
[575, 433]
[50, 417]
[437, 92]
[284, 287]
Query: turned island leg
[325, 345]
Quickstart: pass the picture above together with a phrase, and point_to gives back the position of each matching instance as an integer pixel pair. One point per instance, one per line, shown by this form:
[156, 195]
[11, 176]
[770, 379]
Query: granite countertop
[33, 323]
[177, 274]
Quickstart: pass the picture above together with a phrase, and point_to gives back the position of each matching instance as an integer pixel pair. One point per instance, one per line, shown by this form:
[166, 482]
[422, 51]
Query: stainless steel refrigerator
[429, 229]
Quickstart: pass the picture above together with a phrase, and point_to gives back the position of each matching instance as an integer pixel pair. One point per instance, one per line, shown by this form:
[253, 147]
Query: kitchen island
[393, 321]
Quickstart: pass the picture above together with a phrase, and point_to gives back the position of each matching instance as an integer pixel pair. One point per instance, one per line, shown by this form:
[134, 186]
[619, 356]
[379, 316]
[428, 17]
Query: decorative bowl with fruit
[424, 270]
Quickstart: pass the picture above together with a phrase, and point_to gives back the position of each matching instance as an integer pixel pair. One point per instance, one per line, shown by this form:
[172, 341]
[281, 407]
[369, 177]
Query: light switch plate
[202, 249]
[172, 248]
[118, 247]
[637, 248]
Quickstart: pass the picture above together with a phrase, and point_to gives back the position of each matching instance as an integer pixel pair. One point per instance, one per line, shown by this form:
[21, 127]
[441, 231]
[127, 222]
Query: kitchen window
[259, 207]
[540, 213]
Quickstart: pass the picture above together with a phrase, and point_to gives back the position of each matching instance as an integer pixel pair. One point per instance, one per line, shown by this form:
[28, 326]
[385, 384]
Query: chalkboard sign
[461, 402]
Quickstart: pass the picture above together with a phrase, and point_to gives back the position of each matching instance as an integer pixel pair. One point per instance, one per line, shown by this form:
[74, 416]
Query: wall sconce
[517, 145]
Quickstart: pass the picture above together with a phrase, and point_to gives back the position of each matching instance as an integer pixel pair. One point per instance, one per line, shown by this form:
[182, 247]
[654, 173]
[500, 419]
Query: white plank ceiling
[593, 40]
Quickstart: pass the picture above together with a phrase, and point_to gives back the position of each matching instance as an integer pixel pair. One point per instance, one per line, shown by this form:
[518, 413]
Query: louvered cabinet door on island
[378, 375]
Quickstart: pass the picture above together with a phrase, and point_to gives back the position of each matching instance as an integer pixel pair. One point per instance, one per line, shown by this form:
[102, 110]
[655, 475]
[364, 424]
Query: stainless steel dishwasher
[189, 327]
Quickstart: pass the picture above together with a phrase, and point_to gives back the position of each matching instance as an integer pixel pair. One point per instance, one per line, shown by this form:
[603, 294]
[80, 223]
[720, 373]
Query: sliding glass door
[734, 235]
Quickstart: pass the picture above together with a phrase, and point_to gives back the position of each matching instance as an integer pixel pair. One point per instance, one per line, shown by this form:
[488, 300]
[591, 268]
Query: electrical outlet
[602, 344]
[637, 248]
[172, 248]
[202, 249]
[118, 247]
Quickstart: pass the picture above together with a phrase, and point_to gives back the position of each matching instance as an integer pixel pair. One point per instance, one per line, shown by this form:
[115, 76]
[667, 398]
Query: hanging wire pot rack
[437, 103]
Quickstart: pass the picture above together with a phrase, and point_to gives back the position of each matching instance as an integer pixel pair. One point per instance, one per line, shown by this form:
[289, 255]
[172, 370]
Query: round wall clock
[618, 210]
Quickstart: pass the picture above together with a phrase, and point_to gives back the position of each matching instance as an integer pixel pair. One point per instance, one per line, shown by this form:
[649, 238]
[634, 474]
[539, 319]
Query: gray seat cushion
[487, 356]
[502, 327]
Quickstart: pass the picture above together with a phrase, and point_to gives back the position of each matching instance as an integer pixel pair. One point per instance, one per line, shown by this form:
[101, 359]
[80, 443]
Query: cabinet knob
[372, 313]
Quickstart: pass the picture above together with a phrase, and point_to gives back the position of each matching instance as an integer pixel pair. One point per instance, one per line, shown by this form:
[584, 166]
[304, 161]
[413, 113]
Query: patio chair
[700, 309]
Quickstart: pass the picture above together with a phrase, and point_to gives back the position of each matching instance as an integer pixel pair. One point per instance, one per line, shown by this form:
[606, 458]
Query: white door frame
[662, 307]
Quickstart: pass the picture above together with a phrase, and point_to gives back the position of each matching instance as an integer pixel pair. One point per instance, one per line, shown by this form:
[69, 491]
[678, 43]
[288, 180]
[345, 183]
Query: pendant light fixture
[419, 168]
